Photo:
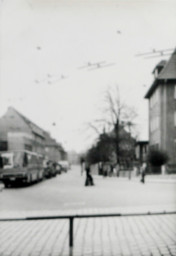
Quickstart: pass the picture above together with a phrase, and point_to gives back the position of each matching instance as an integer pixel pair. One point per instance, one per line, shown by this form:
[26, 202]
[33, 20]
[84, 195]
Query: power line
[154, 51]
[156, 56]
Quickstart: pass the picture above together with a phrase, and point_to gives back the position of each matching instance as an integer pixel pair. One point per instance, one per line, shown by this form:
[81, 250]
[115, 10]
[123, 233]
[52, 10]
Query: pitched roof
[50, 141]
[35, 128]
[160, 65]
[167, 73]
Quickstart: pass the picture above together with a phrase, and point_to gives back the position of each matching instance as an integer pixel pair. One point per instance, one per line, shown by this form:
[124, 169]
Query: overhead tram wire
[91, 64]
[96, 65]
[153, 53]
[101, 66]
[156, 56]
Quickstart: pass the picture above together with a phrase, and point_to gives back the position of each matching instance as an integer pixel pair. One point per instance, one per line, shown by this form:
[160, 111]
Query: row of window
[175, 92]
[175, 118]
[154, 98]
[154, 123]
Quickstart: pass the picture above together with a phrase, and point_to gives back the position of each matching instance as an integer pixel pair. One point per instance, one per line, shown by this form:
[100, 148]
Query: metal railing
[76, 216]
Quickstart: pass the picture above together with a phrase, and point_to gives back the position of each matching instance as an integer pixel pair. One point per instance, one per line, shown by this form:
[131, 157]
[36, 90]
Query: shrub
[157, 157]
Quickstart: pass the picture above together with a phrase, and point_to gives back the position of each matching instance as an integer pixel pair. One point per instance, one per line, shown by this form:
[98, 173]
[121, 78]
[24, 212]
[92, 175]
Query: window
[175, 92]
[3, 145]
[175, 118]
[175, 146]
[154, 124]
[25, 160]
[7, 160]
[154, 99]
[28, 147]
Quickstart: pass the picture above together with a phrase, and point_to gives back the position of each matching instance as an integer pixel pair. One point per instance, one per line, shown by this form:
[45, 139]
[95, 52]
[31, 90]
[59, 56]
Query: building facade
[162, 108]
[54, 150]
[19, 133]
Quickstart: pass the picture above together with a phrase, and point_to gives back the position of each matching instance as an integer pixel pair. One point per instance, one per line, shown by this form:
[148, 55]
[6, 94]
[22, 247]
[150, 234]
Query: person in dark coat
[89, 179]
[143, 172]
[82, 162]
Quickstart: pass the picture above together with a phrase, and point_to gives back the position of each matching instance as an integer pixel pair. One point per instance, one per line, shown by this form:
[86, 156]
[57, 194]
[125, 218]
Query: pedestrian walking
[89, 179]
[117, 168]
[82, 162]
[143, 172]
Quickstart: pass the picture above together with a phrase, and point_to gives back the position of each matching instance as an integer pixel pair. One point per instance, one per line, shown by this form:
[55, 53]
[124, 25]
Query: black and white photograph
[87, 128]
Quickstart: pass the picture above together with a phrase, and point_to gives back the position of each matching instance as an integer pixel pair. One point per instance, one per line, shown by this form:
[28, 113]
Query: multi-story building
[19, 133]
[162, 108]
[53, 150]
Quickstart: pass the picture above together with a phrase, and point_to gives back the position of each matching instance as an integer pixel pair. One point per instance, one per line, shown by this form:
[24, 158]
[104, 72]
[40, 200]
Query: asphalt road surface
[67, 191]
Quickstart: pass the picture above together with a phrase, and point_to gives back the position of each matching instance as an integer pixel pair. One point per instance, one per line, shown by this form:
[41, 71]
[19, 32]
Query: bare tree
[118, 121]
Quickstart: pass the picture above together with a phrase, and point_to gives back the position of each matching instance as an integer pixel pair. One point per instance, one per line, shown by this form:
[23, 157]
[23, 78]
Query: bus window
[32, 160]
[1, 162]
[7, 160]
[18, 159]
[25, 160]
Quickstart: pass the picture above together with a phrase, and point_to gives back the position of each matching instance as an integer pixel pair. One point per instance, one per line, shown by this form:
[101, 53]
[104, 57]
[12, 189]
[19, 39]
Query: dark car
[58, 168]
[50, 169]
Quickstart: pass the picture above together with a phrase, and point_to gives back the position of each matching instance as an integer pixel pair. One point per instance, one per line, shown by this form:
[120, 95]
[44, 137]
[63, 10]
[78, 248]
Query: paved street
[66, 194]
[67, 191]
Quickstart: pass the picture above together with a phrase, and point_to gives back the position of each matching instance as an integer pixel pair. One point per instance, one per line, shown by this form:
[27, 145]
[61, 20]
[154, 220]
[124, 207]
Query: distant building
[53, 150]
[141, 150]
[162, 108]
[17, 132]
[126, 145]
[73, 157]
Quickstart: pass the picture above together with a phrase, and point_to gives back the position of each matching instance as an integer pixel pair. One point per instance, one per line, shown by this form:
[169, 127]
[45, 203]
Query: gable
[11, 122]
[169, 70]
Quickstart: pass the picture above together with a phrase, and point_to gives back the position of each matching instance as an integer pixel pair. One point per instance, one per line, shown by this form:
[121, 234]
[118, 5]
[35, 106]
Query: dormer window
[159, 68]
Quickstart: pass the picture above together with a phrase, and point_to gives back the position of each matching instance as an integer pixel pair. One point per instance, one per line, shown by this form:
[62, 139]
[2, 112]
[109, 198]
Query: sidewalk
[148, 178]
[111, 236]
[170, 178]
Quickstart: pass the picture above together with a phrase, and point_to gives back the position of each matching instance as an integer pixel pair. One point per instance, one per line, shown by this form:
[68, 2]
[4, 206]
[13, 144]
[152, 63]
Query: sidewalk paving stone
[112, 236]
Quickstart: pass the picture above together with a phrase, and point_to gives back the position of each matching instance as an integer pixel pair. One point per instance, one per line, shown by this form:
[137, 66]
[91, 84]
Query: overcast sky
[42, 40]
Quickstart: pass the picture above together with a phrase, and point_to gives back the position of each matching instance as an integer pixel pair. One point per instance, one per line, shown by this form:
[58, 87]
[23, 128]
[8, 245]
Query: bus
[20, 166]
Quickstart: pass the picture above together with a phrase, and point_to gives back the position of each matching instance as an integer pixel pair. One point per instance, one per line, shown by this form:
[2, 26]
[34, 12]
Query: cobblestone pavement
[152, 235]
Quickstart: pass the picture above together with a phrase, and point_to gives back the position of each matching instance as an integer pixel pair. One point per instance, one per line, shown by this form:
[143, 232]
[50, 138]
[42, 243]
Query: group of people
[89, 179]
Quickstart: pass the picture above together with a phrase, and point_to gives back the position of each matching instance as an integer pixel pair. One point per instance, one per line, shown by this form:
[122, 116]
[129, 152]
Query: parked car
[57, 167]
[65, 165]
[49, 169]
